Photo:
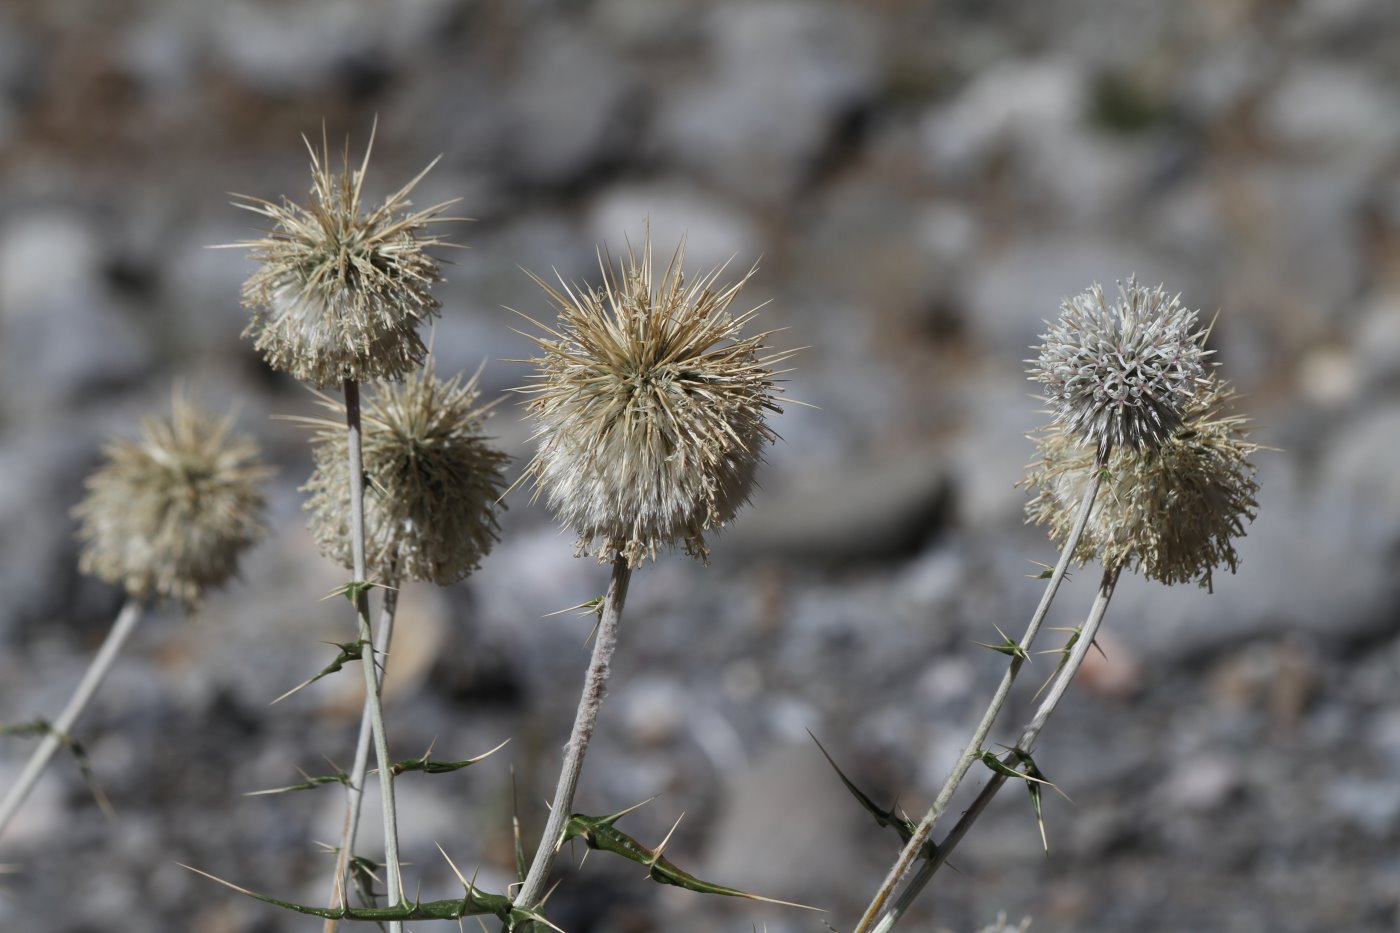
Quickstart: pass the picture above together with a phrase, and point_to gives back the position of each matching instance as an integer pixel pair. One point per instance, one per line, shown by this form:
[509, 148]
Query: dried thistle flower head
[1171, 512]
[432, 481]
[168, 515]
[1121, 374]
[649, 406]
[339, 294]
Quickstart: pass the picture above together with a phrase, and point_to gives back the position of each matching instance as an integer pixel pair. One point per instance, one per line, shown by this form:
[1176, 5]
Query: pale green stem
[370, 656]
[60, 728]
[594, 687]
[355, 789]
[1083, 642]
[970, 754]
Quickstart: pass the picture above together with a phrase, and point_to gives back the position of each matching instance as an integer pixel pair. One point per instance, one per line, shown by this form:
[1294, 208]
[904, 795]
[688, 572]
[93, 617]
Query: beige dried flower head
[650, 407]
[340, 294]
[168, 515]
[432, 481]
[1121, 374]
[1172, 513]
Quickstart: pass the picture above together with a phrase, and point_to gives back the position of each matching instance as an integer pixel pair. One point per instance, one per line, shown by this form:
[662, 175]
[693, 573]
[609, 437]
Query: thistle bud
[650, 408]
[169, 515]
[1172, 512]
[1122, 374]
[339, 294]
[431, 481]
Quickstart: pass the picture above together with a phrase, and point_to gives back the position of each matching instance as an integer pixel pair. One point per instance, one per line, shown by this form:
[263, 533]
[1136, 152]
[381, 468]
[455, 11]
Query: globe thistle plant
[650, 407]
[1121, 374]
[168, 515]
[433, 481]
[340, 292]
[1171, 513]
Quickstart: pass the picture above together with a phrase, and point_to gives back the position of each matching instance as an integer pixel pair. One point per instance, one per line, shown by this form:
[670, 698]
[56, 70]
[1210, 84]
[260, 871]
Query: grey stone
[1376, 346]
[1305, 563]
[788, 802]
[1013, 293]
[290, 49]
[564, 111]
[653, 709]
[1359, 482]
[60, 335]
[714, 231]
[1333, 110]
[1308, 221]
[41, 473]
[862, 512]
[814, 62]
[1015, 105]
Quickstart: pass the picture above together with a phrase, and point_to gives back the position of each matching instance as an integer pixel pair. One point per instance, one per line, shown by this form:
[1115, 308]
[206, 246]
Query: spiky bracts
[1172, 512]
[340, 294]
[650, 408]
[432, 481]
[1121, 374]
[168, 515]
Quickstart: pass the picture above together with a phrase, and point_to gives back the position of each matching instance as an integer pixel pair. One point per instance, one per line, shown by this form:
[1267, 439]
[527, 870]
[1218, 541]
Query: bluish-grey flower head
[1172, 512]
[650, 407]
[168, 516]
[340, 291]
[432, 481]
[1121, 374]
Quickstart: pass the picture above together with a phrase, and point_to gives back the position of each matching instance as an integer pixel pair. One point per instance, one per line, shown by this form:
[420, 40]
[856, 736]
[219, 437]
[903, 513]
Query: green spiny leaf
[428, 766]
[586, 608]
[1007, 646]
[1004, 769]
[1064, 653]
[1035, 783]
[349, 651]
[424, 764]
[339, 777]
[354, 589]
[30, 729]
[598, 832]
[902, 825]
[522, 866]
[473, 903]
[41, 726]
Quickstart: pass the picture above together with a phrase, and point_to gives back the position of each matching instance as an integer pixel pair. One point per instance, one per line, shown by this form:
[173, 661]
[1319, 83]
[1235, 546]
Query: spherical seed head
[1121, 374]
[650, 409]
[432, 481]
[169, 515]
[339, 294]
[1172, 512]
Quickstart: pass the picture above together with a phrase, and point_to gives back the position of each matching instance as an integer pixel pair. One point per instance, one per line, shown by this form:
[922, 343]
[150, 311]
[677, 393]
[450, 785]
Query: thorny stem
[974, 746]
[594, 687]
[376, 710]
[61, 727]
[355, 789]
[1084, 641]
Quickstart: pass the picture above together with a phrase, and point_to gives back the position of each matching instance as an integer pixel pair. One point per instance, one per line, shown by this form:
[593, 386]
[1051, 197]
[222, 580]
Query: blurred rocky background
[921, 182]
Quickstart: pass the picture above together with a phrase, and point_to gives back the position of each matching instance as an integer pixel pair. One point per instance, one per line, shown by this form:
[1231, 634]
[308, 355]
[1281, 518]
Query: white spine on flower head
[168, 516]
[340, 291]
[1121, 374]
[433, 480]
[649, 407]
[1172, 512]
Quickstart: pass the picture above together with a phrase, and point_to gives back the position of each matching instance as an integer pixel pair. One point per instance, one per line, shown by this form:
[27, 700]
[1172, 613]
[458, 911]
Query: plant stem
[974, 746]
[355, 789]
[594, 687]
[372, 677]
[1026, 743]
[58, 733]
